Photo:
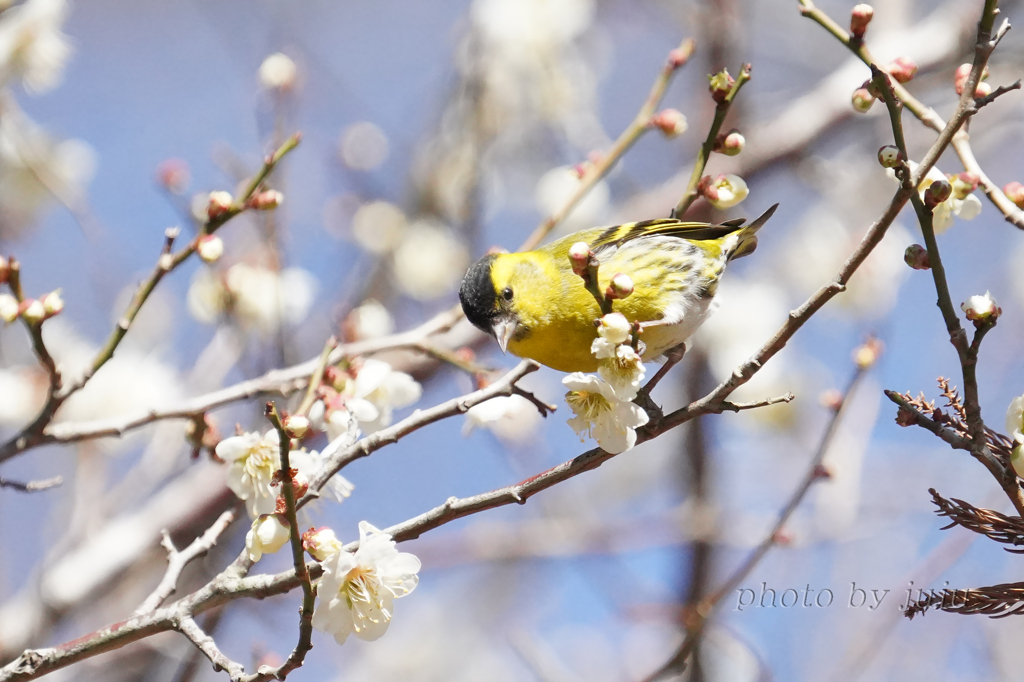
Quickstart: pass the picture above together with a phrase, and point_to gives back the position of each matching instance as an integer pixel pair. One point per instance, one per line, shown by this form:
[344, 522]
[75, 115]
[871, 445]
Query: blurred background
[431, 132]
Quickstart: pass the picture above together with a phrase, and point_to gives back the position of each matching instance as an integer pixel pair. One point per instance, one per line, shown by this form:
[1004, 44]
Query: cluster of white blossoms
[961, 202]
[256, 297]
[366, 394]
[603, 404]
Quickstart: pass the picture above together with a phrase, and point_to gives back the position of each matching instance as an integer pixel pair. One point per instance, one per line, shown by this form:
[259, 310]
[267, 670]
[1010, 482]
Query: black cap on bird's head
[482, 305]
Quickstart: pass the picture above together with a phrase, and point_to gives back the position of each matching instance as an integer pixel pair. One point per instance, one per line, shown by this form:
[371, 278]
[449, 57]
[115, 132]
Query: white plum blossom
[259, 297]
[32, 46]
[253, 460]
[623, 370]
[268, 534]
[371, 320]
[726, 191]
[1015, 419]
[981, 307]
[960, 203]
[429, 261]
[8, 308]
[356, 592]
[600, 414]
[511, 418]
[377, 391]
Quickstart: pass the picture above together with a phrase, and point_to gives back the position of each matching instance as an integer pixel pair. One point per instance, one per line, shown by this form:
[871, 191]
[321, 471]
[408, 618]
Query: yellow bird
[536, 307]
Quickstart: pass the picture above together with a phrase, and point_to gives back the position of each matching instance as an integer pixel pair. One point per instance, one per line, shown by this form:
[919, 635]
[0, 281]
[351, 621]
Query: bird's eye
[507, 294]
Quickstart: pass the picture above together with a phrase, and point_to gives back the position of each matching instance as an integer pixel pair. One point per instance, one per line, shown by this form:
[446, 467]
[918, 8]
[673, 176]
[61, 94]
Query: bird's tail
[744, 240]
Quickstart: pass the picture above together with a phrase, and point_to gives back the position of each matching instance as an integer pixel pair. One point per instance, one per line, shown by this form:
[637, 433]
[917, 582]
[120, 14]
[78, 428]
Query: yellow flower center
[587, 404]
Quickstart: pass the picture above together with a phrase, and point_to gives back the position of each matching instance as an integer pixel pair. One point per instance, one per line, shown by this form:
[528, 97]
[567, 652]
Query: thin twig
[31, 486]
[177, 560]
[707, 606]
[721, 111]
[317, 377]
[205, 643]
[636, 129]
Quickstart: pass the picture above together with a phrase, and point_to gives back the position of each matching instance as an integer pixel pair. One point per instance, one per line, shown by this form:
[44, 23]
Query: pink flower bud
[579, 256]
[889, 156]
[720, 85]
[1014, 191]
[725, 191]
[981, 308]
[903, 69]
[173, 175]
[963, 184]
[670, 122]
[266, 200]
[678, 57]
[210, 248]
[218, 203]
[53, 303]
[983, 90]
[862, 100]
[621, 286]
[860, 17]
[936, 193]
[730, 144]
[960, 78]
[916, 256]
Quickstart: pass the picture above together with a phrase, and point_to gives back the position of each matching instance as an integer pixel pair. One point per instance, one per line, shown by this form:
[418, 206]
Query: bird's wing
[616, 236]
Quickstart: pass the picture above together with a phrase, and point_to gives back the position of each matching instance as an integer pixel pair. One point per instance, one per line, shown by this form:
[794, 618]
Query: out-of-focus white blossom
[210, 248]
[511, 418]
[24, 392]
[526, 24]
[253, 460]
[356, 592]
[429, 261]
[557, 187]
[268, 534]
[32, 46]
[364, 146]
[259, 297]
[371, 320]
[1015, 419]
[278, 72]
[378, 226]
[53, 304]
[600, 414]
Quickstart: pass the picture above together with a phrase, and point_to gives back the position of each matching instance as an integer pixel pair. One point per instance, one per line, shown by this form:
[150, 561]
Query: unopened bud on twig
[720, 85]
[916, 256]
[579, 257]
[32, 311]
[678, 57]
[320, 542]
[670, 122]
[725, 191]
[867, 355]
[963, 72]
[981, 308]
[937, 192]
[905, 417]
[862, 100]
[860, 17]
[1014, 191]
[903, 69]
[983, 90]
[218, 203]
[266, 200]
[278, 72]
[9, 308]
[210, 248]
[296, 425]
[890, 156]
[730, 144]
[53, 303]
[621, 286]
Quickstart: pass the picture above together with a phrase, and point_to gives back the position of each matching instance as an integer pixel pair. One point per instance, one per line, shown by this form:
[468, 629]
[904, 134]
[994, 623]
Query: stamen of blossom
[356, 592]
[600, 414]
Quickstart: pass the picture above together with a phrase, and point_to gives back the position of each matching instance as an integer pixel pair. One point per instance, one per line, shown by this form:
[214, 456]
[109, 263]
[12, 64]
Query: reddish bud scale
[905, 417]
[720, 85]
[677, 58]
[903, 69]
[916, 256]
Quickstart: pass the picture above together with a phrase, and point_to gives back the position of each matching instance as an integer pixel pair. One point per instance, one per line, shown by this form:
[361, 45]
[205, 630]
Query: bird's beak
[503, 329]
